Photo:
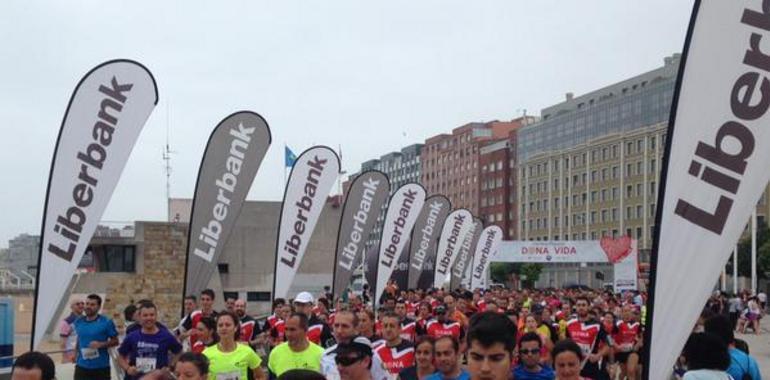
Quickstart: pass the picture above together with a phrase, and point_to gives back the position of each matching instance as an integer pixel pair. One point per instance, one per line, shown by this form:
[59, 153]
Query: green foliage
[744, 253]
[532, 272]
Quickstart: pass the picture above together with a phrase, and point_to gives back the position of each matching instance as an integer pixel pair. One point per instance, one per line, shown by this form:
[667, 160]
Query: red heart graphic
[616, 249]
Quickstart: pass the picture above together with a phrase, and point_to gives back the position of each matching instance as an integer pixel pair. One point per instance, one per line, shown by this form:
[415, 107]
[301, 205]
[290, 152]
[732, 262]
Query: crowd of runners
[497, 333]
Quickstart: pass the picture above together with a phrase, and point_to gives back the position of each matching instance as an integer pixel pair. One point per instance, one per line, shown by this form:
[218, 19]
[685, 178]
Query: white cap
[304, 297]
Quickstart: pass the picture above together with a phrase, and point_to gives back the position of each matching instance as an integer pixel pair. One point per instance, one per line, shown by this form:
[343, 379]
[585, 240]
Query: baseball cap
[441, 309]
[304, 297]
[360, 346]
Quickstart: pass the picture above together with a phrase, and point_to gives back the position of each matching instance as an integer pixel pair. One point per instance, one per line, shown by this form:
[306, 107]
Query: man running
[448, 360]
[397, 353]
[408, 325]
[589, 336]
[297, 352]
[249, 327]
[96, 333]
[318, 331]
[67, 331]
[147, 349]
[346, 331]
[206, 310]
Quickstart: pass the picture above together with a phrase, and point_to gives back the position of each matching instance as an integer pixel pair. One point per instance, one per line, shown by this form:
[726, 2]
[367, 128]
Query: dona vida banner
[607, 250]
[103, 120]
[716, 166]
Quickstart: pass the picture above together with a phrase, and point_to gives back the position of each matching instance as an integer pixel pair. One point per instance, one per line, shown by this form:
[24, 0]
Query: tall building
[497, 185]
[451, 161]
[22, 254]
[401, 167]
[591, 167]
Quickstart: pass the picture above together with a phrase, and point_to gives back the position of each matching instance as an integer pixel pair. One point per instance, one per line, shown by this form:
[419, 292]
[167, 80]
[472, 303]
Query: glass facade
[641, 105]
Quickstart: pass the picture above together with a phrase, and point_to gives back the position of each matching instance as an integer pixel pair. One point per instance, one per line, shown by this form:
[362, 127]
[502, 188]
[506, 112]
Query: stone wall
[159, 273]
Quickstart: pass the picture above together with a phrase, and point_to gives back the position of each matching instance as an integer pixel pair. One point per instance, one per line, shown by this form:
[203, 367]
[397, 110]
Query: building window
[114, 258]
[223, 267]
[231, 295]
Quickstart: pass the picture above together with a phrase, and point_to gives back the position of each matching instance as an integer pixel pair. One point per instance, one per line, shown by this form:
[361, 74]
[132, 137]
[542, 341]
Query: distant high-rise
[22, 253]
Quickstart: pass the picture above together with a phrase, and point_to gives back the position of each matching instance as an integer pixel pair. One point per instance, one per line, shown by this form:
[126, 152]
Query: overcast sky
[369, 78]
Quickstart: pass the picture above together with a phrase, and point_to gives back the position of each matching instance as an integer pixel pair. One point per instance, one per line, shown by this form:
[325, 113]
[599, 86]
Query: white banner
[403, 209]
[607, 250]
[486, 248]
[458, 224]
[105, 115]
[717, 156]
[312, 178]
[626, 272]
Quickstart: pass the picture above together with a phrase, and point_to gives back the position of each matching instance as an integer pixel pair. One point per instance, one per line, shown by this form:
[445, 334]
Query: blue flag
[289, 157]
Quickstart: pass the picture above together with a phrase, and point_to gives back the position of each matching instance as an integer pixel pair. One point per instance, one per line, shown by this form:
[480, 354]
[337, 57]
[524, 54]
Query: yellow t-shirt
[233, 365]
[282, 358]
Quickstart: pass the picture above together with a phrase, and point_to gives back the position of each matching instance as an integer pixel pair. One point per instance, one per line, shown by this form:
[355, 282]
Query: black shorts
[622, 357]
[92, 374]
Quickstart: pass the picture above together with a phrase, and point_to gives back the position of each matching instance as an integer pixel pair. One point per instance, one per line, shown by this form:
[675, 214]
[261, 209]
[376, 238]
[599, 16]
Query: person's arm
[259, 374]
[110, 342]
[126, 366]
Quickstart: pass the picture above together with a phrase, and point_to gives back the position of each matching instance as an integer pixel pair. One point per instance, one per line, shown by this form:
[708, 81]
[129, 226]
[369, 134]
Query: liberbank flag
[310, 182]
[485, 249]
[465, 256]
[230, 162]
[457, 226]
[424, 242]
[716, 166]
[403, 209]
[363, 202]
[105, 114]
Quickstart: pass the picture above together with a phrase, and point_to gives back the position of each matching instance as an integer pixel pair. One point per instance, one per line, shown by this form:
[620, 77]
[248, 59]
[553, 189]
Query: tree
[532, 272]
[501, 272]
[744, 253]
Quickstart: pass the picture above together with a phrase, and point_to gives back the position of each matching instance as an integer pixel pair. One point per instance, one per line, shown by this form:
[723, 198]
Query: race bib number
[235, 375]
[89, 353]
[145, 365]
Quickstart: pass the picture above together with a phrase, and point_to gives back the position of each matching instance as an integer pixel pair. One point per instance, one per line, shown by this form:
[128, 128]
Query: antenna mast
[167, 159]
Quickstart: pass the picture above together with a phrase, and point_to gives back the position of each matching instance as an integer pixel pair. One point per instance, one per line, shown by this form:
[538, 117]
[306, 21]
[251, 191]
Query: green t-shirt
[233, 365]
[282, 358]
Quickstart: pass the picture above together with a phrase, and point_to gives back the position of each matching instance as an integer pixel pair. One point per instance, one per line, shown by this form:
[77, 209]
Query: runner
[96, 333]
[491, 341]
[628, 341]
[206, 310]
[354, 360]
[448, 360]
[423, 361]
[191, 366]
[318, 332]
[567, 356]
[530, 368]
[249, 326]
[346, 326]
[588, 334]
[443, 326]
[366, 327]
[397, 353]
[277, 331]
[408, 325]
[229, 359]
[297, 352]
[147, 349]
[207, 328]
[67, 331]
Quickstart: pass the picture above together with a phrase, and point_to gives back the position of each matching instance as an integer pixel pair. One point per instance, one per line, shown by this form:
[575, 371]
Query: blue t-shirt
[464, 375]
[149, 351]
[740, 363]
[100, 329]
[546, 373]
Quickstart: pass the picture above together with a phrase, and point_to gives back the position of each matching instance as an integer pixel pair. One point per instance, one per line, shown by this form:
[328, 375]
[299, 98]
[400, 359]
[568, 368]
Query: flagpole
[754, 252]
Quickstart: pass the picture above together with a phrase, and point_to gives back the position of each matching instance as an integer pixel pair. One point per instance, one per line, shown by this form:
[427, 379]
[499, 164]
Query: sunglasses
[347, 360]
[530, 352]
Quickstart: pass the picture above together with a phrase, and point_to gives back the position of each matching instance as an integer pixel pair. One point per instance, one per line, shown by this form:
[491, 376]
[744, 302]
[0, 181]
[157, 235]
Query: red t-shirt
[585, 335]
[396, 358]
[627, 336]
[438, 329]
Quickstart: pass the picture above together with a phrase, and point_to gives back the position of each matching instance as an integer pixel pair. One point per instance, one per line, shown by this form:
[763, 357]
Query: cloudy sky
[369, 77]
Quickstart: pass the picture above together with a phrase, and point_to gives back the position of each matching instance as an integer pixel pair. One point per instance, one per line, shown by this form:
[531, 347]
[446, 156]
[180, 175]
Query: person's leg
[632, 366]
